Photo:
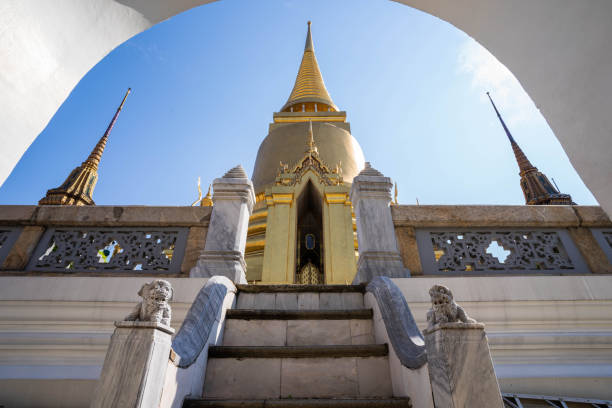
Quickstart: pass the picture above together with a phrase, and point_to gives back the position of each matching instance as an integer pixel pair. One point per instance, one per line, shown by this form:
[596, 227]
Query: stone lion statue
[444, 309]
[154, 306]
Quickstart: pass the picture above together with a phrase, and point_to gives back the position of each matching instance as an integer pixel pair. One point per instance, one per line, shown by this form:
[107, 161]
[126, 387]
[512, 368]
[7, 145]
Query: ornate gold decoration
[311, 160]
[199, 194]
[305, 118]
[256, 229]
[78, 188]
[395, 196]
[258, 215]
[310, 275]
[337, 198]
[207, 200]
[254, 246]
[279, 198]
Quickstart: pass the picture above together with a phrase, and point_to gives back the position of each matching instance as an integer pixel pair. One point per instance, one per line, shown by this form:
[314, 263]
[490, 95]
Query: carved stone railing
[101, 240]
[483, 240]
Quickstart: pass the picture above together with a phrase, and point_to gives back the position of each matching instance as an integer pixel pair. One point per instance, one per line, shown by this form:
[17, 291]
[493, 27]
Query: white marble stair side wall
[405, 382]
[300, 300]
[54, 332]
[189, 382]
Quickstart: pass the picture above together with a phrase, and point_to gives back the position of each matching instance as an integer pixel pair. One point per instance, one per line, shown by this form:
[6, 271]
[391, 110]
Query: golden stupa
[302, 229]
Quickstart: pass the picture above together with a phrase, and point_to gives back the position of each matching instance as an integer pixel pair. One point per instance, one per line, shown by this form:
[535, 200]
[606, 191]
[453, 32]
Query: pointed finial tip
[309, 22]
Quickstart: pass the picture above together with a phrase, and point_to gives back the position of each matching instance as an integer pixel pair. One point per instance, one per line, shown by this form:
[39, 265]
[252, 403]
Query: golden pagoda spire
[78, 187]
[312, 147]
[309, 92]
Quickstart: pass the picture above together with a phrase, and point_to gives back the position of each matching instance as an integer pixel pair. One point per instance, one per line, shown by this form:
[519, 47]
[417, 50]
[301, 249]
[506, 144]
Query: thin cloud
[488, 74]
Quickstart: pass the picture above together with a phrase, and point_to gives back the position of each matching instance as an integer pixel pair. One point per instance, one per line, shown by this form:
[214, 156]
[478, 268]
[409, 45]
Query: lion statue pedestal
[460, 367]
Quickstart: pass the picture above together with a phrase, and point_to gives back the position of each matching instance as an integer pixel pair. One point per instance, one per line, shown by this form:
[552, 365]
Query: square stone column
[135, 366]
[223, 254]
[460, 366]
[378, 251]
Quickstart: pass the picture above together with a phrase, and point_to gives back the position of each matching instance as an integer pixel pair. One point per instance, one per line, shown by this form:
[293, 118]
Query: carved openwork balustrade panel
[110, 250]
[485, 251]
[8, 236]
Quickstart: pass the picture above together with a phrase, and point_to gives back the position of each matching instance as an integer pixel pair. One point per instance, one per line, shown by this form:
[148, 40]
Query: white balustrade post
[135, 366]
[223, 253]
[378, 253]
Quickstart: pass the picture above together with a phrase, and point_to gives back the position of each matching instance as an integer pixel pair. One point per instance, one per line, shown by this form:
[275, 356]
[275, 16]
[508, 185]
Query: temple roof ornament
[206, 201]
[78, 188]
[290, 176]
[309, 86]
[535, 185]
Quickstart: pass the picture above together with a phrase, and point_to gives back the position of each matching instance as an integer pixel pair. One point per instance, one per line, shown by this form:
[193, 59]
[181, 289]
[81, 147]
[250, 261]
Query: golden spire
[78, 187]
[309, 87]
[96, 154]
[312, 147]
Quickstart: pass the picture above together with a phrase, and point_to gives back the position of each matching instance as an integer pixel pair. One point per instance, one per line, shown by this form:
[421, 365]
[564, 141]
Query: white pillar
[135, 366]
[223, 253]
[378, 253]
[460, 366]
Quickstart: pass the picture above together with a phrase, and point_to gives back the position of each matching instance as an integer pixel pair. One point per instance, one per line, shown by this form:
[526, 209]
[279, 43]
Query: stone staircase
[298, 346]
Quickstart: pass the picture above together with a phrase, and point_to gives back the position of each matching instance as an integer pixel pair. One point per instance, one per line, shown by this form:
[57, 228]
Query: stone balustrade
[101, 240]
[513, 240]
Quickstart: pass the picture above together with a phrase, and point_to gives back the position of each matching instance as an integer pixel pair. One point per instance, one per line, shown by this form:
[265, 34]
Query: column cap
[371, 183]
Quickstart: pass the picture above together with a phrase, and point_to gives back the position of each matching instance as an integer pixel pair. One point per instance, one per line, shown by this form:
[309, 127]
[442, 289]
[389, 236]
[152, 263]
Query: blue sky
[205, 84]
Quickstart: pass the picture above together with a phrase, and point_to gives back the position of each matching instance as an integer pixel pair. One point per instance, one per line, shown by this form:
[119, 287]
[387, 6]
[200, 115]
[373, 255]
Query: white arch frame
[558, 50]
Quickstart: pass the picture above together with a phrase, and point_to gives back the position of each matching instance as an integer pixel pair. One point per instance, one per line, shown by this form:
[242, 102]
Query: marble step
[273, 375]
[298, 328]
[300, 288]
[301, 403]
[310, 351]
[265, 314]
[297, 300]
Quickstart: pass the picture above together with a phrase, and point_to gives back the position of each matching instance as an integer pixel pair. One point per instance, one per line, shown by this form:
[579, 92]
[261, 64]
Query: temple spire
[96, 154]
[535, 185]
[309, 46]
[523, 163]
[309, 93]
[312, 147]
[78, 187]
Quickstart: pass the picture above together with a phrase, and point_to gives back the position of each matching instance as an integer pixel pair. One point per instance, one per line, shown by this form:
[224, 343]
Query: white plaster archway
[558, 49]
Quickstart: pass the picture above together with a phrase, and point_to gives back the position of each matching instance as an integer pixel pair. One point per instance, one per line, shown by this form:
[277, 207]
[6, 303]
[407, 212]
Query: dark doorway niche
[309, 256]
